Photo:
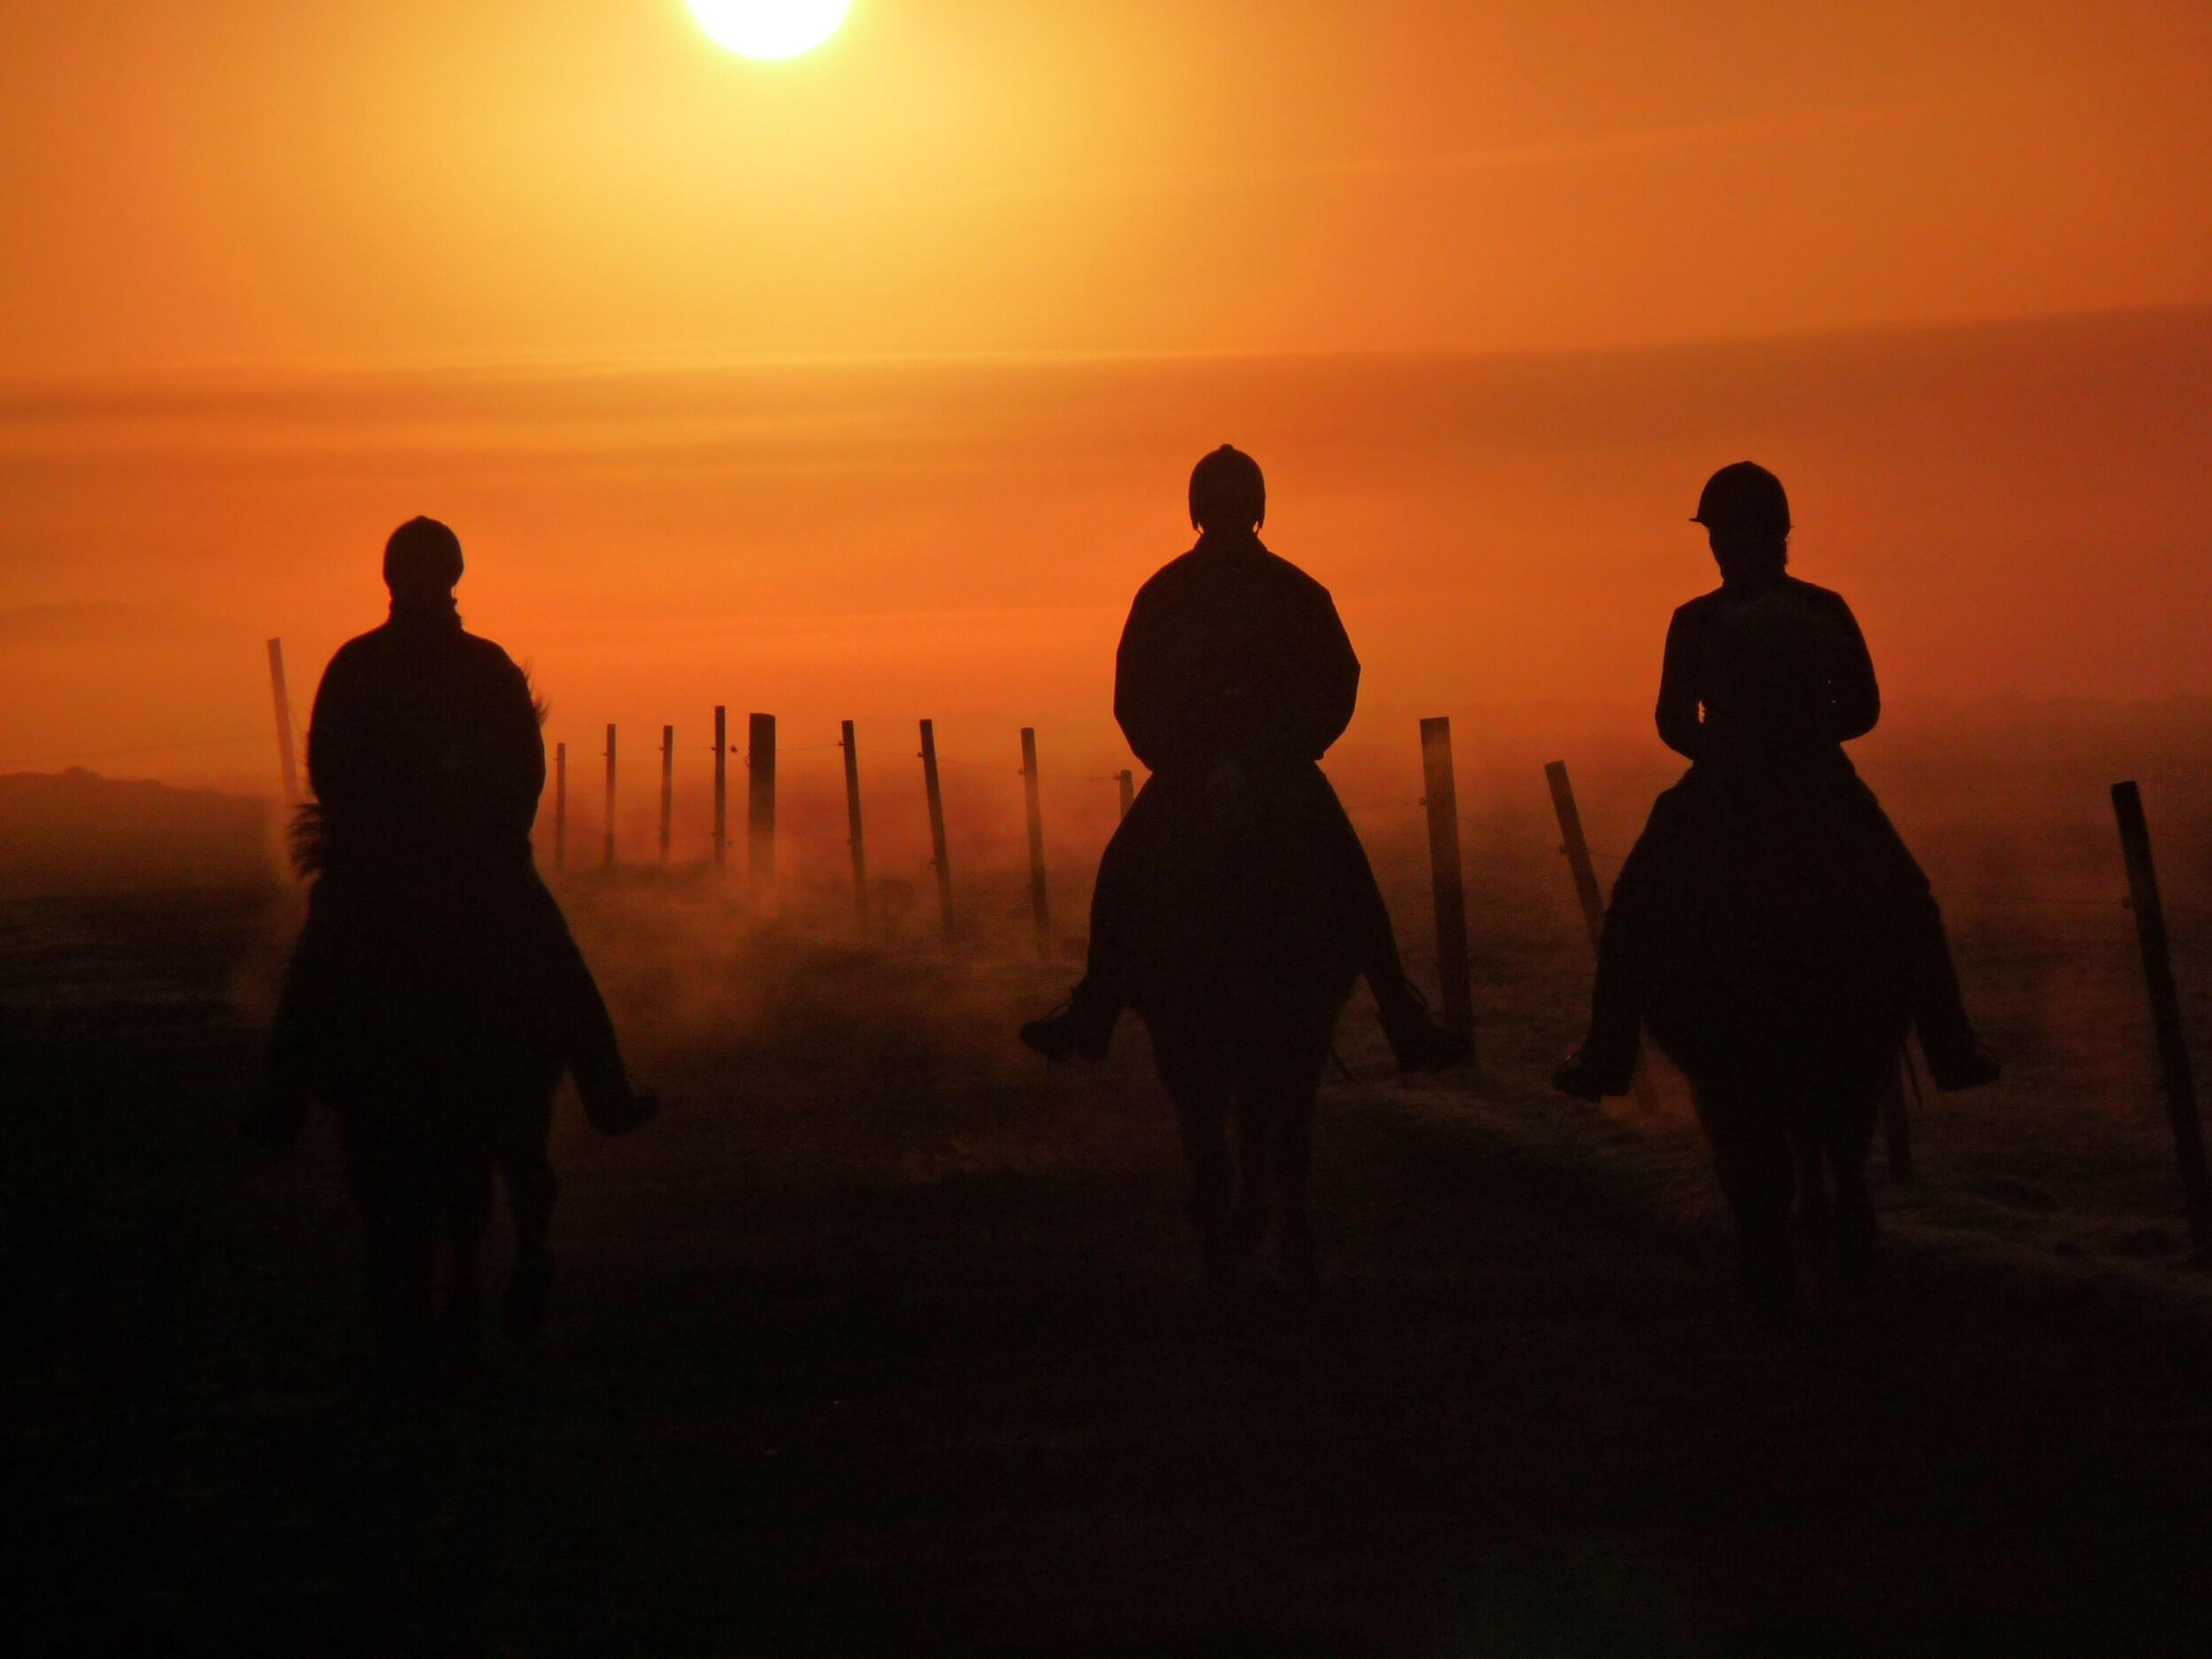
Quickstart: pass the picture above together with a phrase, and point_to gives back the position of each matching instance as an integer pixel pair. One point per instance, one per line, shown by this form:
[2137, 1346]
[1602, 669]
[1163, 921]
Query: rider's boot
[1081, 1028]
[1957, 1060]
[529, 1294]
[614, 1104]
[1418, 1040]
[1606, 1063]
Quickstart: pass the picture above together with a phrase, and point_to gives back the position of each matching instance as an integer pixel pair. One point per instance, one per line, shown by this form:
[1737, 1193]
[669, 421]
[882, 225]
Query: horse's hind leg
[527, 1169]
[1294, 1122]
[467, 1214]
[397, 1201]
[1849, 1140]
[1289, 1087]
[1255, 1122]
[1757, 1167]
[1815, 1212]
[1202, 1098]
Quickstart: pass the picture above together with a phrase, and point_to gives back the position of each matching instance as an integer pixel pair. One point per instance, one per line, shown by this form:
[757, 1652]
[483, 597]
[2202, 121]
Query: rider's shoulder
[1203, 572]
[1292, 575]
[1790, 589]
[490, 652]
[1815, 597]
[1690, 612]
[360, 651]
[1818, 600]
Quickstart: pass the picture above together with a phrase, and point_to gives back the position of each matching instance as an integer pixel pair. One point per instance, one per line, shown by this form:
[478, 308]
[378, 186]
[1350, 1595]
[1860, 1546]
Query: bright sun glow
[770, 28]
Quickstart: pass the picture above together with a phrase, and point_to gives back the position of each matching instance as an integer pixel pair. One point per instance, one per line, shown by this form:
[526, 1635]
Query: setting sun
[770, 28]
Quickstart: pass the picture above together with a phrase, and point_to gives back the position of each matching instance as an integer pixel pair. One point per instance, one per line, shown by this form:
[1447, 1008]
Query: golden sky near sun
[263, 181]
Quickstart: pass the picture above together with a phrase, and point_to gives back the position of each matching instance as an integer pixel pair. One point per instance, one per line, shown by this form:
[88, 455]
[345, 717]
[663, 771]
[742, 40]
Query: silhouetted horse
[435, 994]
[1777, 989]
[1241, 966]
[429, 1020]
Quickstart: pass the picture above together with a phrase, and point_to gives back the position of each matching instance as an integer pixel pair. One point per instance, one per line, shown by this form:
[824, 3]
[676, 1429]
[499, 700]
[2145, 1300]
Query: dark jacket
[1232, 653]
[425, 755]
[1753, 668]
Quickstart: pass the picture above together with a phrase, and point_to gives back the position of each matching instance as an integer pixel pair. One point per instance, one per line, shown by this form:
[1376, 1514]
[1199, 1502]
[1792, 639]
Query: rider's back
[1755, 675]
[425, 755]
[1231, 653]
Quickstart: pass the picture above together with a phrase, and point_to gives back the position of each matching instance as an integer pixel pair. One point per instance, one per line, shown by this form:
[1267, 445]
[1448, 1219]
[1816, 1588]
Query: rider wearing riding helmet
[1234, 666]
[1766, 675]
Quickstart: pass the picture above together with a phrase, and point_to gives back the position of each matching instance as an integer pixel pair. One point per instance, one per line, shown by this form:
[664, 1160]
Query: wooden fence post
[760, 801]
[721, 786]
[288, 749]
[936, 794]
[1128, 782]
[1038, 905]
[1593, 900]
[1441, 796]
[2165, 1010]
[609, 860]
[667, 786]
[560, 805]
[853, 822]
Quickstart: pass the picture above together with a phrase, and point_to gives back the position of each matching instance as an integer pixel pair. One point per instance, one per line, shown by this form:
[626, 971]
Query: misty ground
[887, 1339]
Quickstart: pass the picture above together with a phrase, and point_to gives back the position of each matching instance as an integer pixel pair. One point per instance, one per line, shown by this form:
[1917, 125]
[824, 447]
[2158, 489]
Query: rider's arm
[1679, 726]
[1143, 700]
[1857, 696]
[334, 739]
[1335, 681]
[519, 763]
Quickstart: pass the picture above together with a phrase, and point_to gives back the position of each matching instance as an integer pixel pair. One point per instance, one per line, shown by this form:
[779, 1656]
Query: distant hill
[76, 832]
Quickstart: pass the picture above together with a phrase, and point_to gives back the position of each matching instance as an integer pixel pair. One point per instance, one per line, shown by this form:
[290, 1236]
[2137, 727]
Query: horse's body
[1241, 966]
[1777, 991]
[426, 1018]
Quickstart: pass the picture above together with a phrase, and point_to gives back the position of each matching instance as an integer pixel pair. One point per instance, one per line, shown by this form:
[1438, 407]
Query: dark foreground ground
[884, 1342]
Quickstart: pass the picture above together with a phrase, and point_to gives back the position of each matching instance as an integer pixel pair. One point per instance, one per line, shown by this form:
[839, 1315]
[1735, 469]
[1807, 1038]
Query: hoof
[1301, 1267]
[529, 1296]
[1247, 1227]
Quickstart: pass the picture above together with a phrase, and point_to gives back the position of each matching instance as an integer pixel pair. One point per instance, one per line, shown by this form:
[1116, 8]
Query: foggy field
[887, 1338]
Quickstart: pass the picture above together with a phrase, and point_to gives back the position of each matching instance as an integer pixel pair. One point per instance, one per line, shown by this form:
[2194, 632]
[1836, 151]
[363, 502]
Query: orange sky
[279, 276]
[255, 181]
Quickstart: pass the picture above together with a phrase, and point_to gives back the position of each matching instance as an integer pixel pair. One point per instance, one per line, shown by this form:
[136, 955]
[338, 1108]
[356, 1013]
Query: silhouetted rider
[1234, 668]
[1766, 677]
[426, 763]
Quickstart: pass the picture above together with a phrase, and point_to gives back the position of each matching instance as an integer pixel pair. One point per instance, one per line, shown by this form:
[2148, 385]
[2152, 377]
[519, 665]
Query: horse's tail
[308, 839]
